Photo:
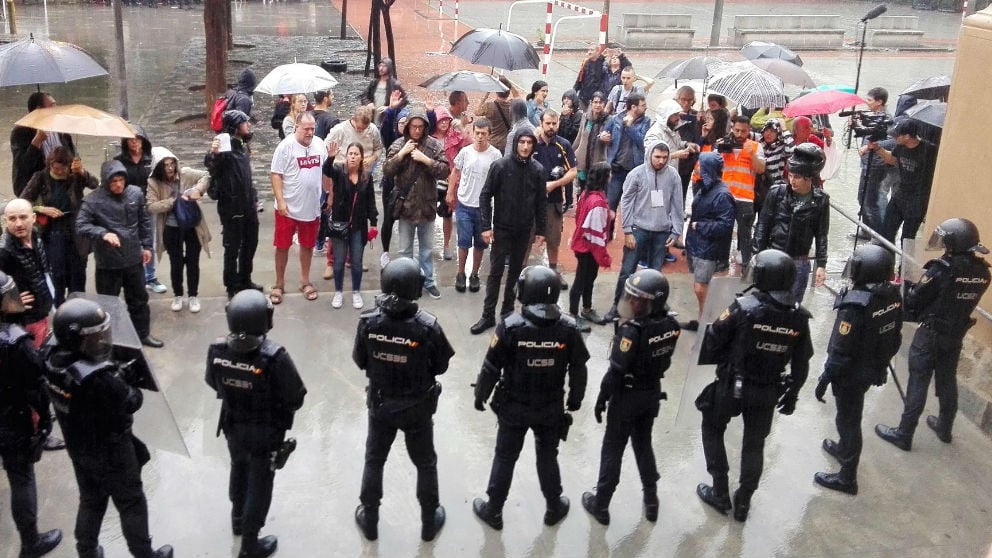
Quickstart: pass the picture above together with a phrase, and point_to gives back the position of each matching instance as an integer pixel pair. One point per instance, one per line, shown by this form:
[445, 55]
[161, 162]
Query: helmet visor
[97, 342]
[632, 306]
[10, 303]
[936, 242]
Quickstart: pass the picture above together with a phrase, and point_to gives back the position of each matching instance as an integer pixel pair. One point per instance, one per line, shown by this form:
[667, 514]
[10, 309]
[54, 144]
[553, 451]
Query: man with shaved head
[23, 257]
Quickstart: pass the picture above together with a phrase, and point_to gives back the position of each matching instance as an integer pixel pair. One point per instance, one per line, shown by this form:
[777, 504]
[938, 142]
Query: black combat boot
[367, 519]
[597, 510]
[489, 513]
[95, 553]
[943, 433]
[834, 481]
[832, 448]
[651, 503]
[716, 496]
[254, 547]
[895, 436]
[556, 511]
[431, 523]
[165, 551]
[39, 544]
[742, 504]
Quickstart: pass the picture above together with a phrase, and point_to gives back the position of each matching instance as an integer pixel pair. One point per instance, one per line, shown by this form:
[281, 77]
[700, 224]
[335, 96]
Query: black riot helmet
[82, 327]
[807, 159]
[957, 236]
[249, 318]
[538, 288]
[645, 293]
[774, 273]
[10, 296]
[871, 264]
[402, 284]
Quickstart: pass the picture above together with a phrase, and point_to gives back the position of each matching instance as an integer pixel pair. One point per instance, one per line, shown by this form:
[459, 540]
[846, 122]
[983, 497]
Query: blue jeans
[650, 247]
[150, 266]
[803, 268]
[354, 246]
[425, 253]
[469, 222]
[615, 188]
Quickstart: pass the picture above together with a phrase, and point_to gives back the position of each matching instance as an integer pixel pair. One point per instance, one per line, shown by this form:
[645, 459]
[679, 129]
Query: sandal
[275, 294]
[309, 292]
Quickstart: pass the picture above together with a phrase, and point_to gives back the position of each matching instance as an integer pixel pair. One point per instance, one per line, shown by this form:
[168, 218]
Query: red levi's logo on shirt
[308, 162]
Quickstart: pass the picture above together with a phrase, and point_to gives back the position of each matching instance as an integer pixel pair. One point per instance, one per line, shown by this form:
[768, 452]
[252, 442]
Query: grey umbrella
[465, 80]
[936, 87]
[931, 113]
[496, 48]
[697, 67]
[37, 61]
[786, 71]
[761, 49]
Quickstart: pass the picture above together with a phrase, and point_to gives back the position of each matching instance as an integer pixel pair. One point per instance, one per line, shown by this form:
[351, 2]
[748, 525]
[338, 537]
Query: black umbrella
[697, 67]
[931, 113]
[496, 48]
[936, 87]
[761, 49]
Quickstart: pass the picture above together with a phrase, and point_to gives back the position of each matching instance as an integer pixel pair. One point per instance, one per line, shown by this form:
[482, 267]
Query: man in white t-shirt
[296, 184]
[471, 166]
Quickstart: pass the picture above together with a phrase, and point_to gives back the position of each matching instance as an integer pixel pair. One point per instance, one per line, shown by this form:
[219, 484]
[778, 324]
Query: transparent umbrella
[36, 61]
[296, 78]
[749, 86]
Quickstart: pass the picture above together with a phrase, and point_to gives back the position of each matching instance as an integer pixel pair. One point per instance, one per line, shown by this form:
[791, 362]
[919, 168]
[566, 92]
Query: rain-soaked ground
[932, 502]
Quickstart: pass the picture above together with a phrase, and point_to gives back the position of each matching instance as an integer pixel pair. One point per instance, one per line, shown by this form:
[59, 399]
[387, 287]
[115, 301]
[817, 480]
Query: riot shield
[154, 423]
[722, 292]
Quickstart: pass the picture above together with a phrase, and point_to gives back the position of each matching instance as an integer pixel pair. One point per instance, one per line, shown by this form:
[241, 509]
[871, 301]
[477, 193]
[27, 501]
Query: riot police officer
[866, 335]
[529, 356]
[25, 422]
[751, 343]
[942, 302]
[401, 348]
[261, 390]
[641, 352]
[95, 405]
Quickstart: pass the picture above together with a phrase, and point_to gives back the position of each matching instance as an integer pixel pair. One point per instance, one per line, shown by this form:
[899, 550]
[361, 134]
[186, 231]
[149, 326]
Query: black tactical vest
[770, 334]
[644, 363]
[75, 392]
[536, 376]
[245, 384]
[399, 352]
[967, 279]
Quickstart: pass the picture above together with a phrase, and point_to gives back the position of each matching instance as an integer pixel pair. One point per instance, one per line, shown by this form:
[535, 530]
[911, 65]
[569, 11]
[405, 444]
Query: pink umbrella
[822, 102]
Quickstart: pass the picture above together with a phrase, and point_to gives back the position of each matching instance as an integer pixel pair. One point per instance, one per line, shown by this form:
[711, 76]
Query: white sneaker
[384, 259]
[338, 300]
[194, 304]
[177, 303]
[356, 301]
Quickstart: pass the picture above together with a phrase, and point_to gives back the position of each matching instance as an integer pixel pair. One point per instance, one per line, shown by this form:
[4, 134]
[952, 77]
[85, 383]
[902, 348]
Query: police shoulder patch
[844, 328]
[495, 339]
[625, 345]
[724, 315]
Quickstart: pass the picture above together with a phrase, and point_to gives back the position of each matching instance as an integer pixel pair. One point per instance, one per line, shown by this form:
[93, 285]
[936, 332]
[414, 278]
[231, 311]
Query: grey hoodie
[125, 215]
[662, 211]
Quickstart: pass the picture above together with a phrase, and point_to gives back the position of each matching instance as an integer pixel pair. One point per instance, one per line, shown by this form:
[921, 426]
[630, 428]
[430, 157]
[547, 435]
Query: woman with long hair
[537, 101]
[297, 106]
[592, 223]
[353, 217]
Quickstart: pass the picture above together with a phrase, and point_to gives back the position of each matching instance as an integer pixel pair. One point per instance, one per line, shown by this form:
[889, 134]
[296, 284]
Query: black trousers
[418, 431]
[386, 232]
[112, 473]
[850, 399]
[250, 483]
[240, 238]
[68, 268]
[586, 271]
[507, 247]
[23, 490]
[183, 247]
[132, 281]
[931, 355]
[509, 441]
[630, 417]
[758, 409]
[896, 214]
[745, 222]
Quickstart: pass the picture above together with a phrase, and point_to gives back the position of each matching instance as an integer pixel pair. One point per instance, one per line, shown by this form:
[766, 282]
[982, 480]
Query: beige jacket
[160, 199]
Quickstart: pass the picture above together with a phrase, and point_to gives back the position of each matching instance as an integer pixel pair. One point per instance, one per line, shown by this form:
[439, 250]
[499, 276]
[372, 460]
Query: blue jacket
[637, 130]
[710, 229]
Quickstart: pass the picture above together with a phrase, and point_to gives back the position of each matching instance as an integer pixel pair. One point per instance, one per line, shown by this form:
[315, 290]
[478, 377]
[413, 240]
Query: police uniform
[529, 358]
[95, 406]
[401, 355]
[24, 421]
[755, 338]
[866, 335]
[261, 390]
[942, 302]
[641, 353]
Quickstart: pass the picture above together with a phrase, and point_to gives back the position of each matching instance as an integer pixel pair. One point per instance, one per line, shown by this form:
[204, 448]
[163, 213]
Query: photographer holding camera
[915, 159]
[742, 161]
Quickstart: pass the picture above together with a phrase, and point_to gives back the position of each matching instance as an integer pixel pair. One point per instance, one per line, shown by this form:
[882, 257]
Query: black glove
[821, 388]
[787, 404]
[573, 405]
[480, 405]
[600, 407]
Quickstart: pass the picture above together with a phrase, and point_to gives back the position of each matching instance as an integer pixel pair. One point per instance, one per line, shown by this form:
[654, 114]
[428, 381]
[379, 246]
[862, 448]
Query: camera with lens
[869, 125]
[557, 172]
[727, 144]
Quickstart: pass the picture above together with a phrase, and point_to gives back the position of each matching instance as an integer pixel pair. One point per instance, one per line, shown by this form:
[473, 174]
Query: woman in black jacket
[353, 217]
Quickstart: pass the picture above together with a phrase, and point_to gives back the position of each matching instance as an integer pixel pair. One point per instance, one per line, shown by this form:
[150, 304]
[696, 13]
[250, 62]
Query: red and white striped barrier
[550, 33]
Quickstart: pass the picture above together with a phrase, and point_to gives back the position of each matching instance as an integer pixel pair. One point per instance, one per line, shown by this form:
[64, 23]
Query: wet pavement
[932, 502]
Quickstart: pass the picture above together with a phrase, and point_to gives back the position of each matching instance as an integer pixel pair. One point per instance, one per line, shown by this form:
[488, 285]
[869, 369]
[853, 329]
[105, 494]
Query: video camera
[871, 125]
[727, 144]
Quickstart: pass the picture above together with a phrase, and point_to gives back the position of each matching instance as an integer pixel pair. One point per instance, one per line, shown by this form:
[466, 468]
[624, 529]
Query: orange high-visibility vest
[738, 174]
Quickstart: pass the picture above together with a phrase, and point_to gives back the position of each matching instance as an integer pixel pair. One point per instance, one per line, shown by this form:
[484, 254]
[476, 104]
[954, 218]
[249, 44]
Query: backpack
[217, 112]
[279, 113]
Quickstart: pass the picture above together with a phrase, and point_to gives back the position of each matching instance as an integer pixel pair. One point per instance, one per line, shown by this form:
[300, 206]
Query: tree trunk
[230, 25]
[121, 66]
[215, 30]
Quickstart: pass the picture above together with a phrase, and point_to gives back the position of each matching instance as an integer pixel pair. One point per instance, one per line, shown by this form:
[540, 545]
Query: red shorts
[306, 232]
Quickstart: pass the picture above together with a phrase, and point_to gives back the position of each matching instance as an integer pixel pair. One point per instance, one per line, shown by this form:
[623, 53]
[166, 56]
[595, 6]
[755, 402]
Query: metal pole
[121, 70]
[895, 379]
[717, 23]
[344, 19]
[606, 12]
[857, 77]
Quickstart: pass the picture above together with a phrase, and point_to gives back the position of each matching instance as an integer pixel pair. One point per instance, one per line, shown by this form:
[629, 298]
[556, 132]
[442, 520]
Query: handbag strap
[354, 200]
